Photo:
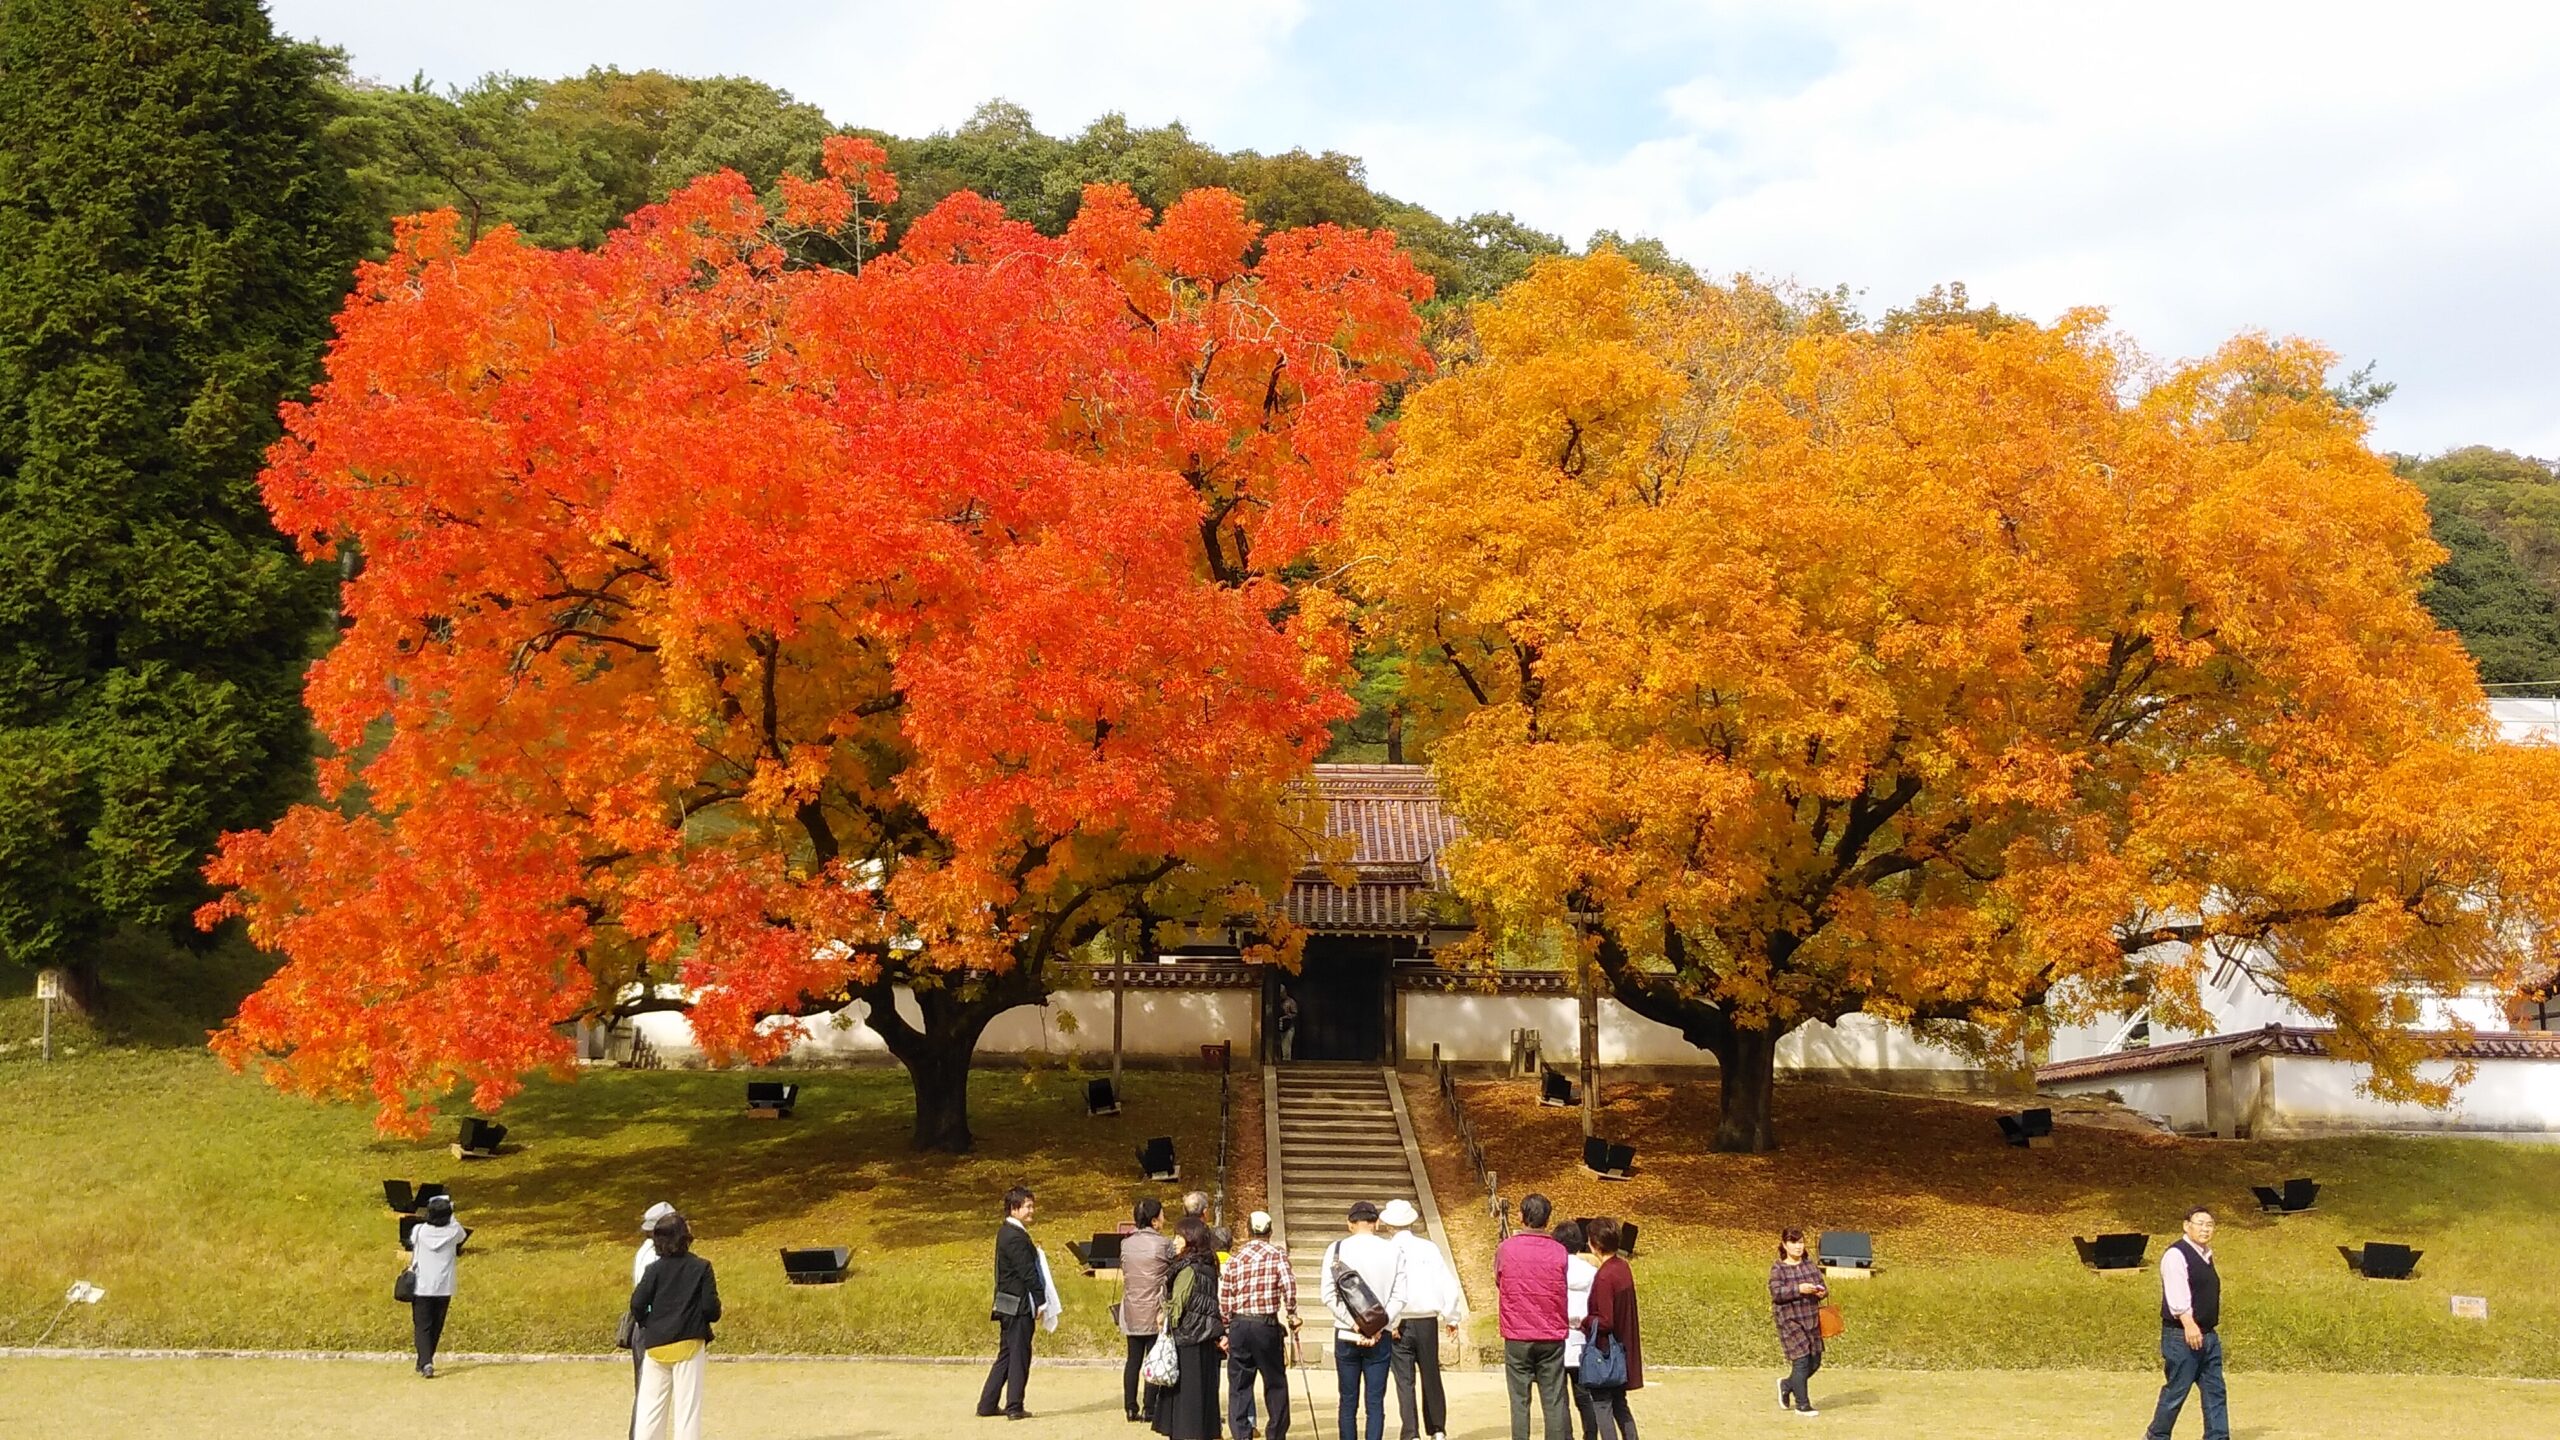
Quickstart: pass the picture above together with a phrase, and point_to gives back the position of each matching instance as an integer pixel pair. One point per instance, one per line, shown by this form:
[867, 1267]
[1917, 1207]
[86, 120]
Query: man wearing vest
[2190, 1351]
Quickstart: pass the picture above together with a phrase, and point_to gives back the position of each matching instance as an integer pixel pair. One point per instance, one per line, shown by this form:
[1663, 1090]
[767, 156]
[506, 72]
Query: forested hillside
[2499, 513]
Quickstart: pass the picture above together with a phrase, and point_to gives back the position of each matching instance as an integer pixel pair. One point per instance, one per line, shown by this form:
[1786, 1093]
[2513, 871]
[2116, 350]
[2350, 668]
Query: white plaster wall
[1478, 1027]
[1157, 1023]
[2173, 1096]
[2503, 1095]
[2249, 1008]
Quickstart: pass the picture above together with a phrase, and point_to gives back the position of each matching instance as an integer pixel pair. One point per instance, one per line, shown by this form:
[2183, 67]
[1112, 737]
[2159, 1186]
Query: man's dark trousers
[1011, 1374]
[2190, 1369]
[1539, 1363]
[1256, 1347]
[1416, 1365]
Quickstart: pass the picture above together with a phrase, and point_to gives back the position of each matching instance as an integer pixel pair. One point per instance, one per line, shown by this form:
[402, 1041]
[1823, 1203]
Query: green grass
[307, 1400]
[1974, 1237]
[217, 1213]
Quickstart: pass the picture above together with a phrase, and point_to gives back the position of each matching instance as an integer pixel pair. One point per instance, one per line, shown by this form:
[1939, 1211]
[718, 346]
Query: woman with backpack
[674, 1306]
[435, 1258]
[1188, 1409]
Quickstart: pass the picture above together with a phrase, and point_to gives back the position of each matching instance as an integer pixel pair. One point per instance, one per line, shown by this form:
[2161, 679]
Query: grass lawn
[1973, 1237]
[309, 1400]
[218, 1214]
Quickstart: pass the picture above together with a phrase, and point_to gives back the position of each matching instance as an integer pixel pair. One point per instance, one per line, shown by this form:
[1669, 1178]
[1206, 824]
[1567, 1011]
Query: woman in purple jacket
[1796, 1289]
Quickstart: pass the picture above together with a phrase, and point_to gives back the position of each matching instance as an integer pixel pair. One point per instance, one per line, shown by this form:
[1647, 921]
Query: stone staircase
[1338, 1134]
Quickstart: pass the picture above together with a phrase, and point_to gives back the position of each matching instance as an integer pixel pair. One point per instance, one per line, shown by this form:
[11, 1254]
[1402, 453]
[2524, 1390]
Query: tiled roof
[2302, 1041]
[1398, 828]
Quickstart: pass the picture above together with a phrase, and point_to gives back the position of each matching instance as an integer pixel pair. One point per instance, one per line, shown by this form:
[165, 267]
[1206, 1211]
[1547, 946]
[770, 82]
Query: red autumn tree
[748, 635]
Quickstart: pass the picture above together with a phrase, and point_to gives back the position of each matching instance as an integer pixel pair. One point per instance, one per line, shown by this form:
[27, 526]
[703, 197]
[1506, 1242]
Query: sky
[2383, 179]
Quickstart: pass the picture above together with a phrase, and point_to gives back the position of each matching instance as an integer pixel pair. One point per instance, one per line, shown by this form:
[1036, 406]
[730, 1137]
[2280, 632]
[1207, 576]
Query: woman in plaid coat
[1796, 1290]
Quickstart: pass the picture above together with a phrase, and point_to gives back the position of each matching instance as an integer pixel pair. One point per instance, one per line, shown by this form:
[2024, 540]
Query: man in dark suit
[1019, 1296]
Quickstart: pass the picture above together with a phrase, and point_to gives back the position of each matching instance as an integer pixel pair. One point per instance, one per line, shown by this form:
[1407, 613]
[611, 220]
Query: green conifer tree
[173, 240]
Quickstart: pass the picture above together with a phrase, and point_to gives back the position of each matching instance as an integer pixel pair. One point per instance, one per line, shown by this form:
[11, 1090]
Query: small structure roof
[2297, 1040]
[1398, 828]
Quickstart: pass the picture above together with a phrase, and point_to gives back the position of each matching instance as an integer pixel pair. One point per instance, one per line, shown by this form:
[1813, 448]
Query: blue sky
[2382, 178]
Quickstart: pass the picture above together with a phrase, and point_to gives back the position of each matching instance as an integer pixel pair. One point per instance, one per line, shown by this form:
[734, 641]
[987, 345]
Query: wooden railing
[1445, 1080]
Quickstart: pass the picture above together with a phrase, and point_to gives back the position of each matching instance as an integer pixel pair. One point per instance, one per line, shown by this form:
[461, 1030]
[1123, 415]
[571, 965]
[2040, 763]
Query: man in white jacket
[1433, 1306]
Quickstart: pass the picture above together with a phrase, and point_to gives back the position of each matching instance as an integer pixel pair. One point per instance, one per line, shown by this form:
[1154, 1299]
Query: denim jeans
[1361, 1372]
[2183, 1370]
[1799, 1381]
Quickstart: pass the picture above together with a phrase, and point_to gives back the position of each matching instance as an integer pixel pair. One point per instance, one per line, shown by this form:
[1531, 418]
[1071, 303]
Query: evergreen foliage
[2499, 515]
[173, 239]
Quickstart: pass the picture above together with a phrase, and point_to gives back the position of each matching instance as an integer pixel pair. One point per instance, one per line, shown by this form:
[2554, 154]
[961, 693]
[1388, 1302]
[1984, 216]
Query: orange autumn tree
[745, 636]
[1947, 673]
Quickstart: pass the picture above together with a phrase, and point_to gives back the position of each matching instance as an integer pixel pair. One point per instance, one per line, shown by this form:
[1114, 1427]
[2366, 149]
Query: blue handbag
[1604, 1364]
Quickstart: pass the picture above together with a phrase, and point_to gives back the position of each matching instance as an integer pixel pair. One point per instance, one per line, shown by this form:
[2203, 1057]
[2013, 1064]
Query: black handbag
[1008, 1305]
[405, 1288]
[1358, 1298]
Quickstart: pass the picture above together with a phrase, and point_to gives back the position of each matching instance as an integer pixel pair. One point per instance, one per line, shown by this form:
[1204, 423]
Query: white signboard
[2470, 1307]
[48, 985]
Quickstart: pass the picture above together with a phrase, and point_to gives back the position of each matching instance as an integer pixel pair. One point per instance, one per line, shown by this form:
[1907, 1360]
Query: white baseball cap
[1258, 1223]
[649, 1218]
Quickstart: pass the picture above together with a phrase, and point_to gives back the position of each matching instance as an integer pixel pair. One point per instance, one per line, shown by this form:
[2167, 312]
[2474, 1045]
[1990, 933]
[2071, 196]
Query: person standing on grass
[1578, 1273]
[1796, 1289]
[1189, 1410]
[1529, 1291]
[1146, 1264]
[641, 1260]
[2190, 1343]
[1613, 1324]
[675, 1305]
[435, 1253]
[1257, 1295]
[1360, 1361]
[1432, 1304]
[1019, 1299]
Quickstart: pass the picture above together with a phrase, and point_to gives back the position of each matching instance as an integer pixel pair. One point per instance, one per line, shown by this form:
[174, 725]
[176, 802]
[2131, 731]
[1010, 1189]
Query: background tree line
[183, 194]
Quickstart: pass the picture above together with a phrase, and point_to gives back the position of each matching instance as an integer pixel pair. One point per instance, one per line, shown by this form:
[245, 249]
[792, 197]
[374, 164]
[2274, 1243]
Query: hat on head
[1362, 1210]
[1259, 1222]
[649, 1218]
[1399, 1213]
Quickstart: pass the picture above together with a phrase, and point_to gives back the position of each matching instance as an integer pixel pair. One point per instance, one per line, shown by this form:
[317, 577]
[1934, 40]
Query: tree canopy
[748, 635]
[173, 239]
[1806, 668]
[2498, 514]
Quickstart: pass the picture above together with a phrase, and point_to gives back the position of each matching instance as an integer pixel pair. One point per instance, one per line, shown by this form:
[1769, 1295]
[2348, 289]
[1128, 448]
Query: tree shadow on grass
[594, 1155]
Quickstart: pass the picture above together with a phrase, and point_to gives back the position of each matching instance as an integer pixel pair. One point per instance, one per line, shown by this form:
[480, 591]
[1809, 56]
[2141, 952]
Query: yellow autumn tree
[1948, 672]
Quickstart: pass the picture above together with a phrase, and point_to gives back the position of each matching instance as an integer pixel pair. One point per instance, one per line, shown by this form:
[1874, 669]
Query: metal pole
[1119, 1001]
[48, 1027]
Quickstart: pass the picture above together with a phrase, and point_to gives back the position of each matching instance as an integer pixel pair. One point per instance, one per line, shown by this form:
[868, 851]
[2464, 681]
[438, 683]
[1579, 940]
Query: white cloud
[2385, 179]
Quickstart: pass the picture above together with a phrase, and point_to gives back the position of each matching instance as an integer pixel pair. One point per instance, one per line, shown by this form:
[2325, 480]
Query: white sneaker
[1808, 1410]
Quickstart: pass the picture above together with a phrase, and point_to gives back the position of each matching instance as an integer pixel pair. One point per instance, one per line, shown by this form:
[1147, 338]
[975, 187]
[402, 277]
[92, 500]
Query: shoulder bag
[1163, 1365]
[1604, 1364]
[1828, 1317]
[404, 1289]
[1359, 1299]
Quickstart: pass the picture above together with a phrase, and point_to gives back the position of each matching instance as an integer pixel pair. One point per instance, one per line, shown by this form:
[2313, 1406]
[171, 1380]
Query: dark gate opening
[1342, 998]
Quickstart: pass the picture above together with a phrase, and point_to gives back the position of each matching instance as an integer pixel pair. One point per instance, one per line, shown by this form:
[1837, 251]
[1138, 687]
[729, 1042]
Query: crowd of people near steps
[1207, 1319]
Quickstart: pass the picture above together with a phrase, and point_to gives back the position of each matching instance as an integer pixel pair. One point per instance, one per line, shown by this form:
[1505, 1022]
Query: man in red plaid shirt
[1257, 1294]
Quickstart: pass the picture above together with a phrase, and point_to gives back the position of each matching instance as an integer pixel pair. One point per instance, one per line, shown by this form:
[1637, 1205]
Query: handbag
[1163, 1366]
[1008, 1305]
[625, 1332]
[404, 1288]
[1366, 1313]
[1828, 1317]
[1604, 1364]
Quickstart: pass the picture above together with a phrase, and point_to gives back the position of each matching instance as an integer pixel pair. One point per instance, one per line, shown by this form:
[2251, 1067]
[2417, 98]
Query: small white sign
[83, 1293]
[48, 985]
[2470, 1307]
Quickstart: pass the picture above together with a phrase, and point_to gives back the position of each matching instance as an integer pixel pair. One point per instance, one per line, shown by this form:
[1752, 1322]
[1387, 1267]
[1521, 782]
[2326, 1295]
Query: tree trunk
[939, 1055]
[1746, 1081]
[941, 1080]
[83, 993]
